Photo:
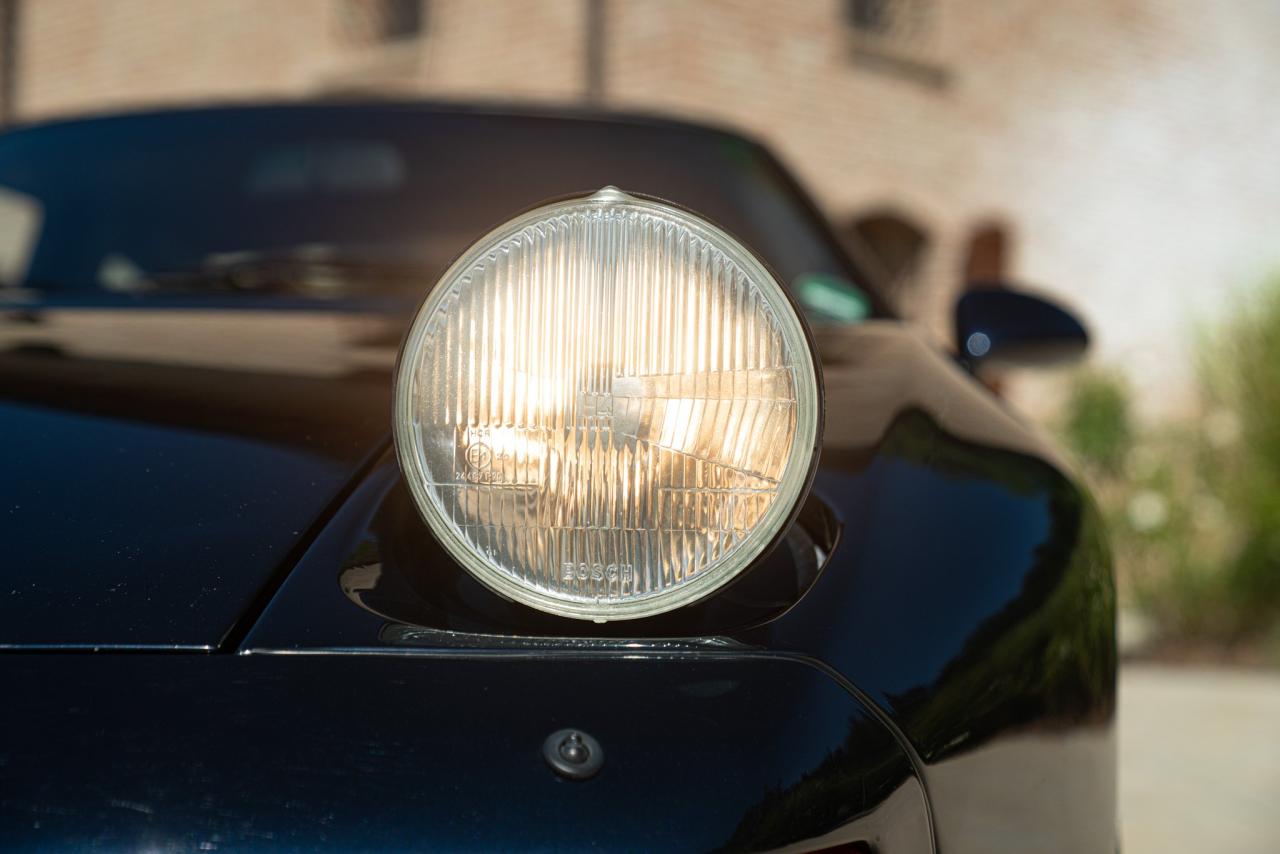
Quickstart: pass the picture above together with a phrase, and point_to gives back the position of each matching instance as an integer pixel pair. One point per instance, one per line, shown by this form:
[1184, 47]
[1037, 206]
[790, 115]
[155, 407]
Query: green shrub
[1098, 424]
[1242, 376]
[1194, 507]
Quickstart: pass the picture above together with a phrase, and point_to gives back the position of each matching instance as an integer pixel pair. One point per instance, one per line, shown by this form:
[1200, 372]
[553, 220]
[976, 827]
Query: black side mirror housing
[996, 325]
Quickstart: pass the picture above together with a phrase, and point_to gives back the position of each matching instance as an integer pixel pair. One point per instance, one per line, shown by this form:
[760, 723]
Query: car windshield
[342, 203]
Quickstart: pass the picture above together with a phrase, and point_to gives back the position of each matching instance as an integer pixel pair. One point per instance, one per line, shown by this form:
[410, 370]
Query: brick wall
[1127, 147]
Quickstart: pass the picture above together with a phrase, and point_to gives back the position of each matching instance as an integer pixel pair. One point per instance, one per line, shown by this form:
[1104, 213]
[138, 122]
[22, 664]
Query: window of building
[364, 23]
[895, 246]
[986, 258]
[895, 36]
[896, 20]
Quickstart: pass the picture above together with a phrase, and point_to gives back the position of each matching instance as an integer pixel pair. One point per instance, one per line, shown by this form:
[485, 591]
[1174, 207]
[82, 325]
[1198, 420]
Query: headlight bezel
[771, 529]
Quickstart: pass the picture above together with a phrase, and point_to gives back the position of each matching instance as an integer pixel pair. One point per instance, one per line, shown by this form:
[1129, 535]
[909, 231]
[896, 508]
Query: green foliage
[1247, 382]
[1194, 507]
[1098, 426]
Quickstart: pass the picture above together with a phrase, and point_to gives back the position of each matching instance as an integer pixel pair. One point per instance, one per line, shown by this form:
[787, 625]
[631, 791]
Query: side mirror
[1009, 327]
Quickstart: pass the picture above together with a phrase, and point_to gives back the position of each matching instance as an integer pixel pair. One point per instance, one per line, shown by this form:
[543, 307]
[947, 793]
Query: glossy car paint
[968, 600]
[409, 752]
[166, 462]
[210, 476]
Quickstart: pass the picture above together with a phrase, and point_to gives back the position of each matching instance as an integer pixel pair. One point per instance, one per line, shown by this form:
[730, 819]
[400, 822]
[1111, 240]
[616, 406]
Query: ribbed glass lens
[607, 408]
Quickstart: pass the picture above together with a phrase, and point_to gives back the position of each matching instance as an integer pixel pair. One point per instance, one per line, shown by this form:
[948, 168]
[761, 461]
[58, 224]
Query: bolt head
[573, 754]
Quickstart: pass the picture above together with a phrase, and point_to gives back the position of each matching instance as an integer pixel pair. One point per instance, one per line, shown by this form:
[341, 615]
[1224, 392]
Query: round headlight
[607, 408]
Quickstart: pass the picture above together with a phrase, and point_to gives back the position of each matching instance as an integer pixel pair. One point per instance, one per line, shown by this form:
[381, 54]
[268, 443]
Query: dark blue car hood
[167, 468]
[203, 479]
[162, 466]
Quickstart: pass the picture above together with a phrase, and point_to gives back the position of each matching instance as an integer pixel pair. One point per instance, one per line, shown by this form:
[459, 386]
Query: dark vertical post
[594, 51]
[8, 61]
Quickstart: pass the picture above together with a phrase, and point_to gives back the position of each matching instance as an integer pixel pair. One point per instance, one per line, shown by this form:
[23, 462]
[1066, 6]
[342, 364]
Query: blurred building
[1118, 153]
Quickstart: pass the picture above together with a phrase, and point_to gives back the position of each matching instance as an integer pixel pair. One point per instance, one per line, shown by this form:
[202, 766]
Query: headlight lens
[607, 408]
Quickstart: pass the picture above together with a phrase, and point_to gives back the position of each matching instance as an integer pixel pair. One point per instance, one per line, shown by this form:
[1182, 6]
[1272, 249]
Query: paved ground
[1199, 760]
